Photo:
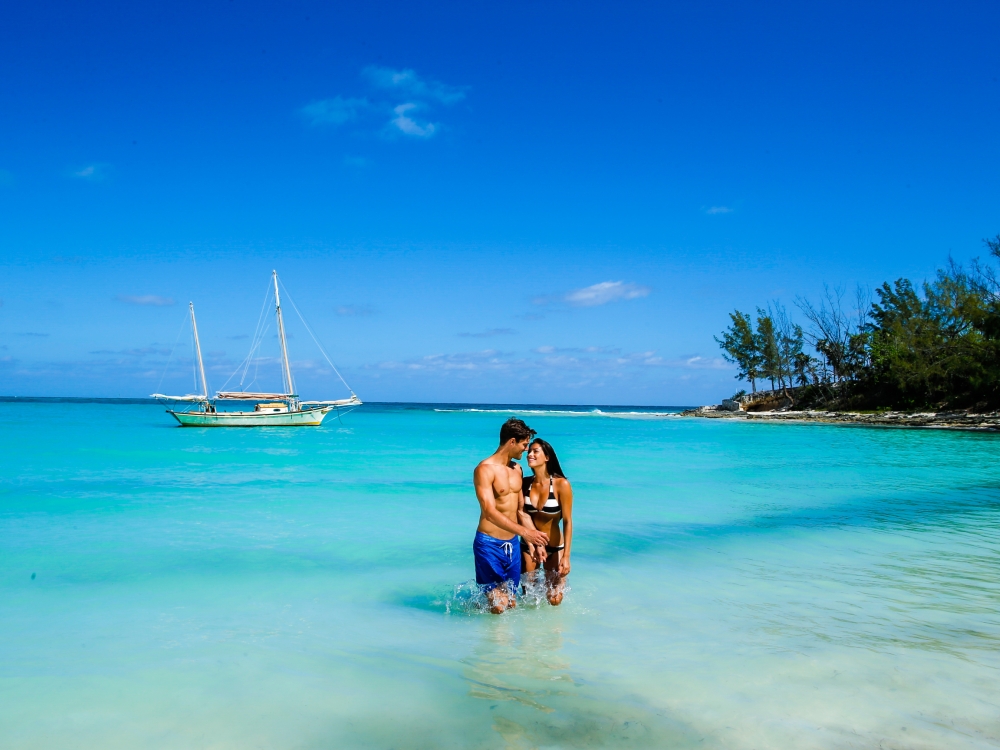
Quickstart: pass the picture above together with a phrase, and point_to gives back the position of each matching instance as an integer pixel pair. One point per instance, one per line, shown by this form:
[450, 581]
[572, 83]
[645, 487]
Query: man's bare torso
[506, 482]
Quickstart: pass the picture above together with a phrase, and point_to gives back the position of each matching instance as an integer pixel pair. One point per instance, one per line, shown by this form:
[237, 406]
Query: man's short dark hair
[515, 428]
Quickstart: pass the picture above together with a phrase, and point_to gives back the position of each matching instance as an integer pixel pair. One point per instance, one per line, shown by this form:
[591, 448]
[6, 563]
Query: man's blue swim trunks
[497, 561]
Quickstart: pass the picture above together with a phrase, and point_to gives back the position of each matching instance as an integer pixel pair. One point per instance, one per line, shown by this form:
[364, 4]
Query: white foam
[568, 413]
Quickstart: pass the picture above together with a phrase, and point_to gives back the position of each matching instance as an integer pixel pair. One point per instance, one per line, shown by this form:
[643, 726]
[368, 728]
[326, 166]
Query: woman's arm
[564, 493]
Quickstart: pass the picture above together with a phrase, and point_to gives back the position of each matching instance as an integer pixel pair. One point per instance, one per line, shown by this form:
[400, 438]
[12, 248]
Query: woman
[548, 499]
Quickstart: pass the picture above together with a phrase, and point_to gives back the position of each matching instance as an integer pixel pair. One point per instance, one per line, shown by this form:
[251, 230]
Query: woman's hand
[564, 566]
[540, 554]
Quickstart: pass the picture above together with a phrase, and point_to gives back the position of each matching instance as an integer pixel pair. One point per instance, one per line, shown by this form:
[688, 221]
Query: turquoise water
[734, 585]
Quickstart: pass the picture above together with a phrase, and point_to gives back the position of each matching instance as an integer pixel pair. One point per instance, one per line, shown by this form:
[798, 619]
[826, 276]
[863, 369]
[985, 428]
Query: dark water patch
[959, 510]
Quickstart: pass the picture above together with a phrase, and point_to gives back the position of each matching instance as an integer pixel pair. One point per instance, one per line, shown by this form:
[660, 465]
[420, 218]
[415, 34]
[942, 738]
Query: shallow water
[734, 585]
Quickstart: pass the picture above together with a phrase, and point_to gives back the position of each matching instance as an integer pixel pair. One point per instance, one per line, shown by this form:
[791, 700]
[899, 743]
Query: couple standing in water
[531, 507]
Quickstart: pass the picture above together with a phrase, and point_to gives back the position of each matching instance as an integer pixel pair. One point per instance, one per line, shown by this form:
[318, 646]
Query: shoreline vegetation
[775, 408]
[926, 356]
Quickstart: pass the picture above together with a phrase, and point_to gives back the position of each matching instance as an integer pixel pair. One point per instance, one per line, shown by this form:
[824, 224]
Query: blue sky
[510, 202]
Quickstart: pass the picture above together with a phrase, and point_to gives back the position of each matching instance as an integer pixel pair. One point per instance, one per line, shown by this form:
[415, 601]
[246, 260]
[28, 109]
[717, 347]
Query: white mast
[281, 337]
[197, 346]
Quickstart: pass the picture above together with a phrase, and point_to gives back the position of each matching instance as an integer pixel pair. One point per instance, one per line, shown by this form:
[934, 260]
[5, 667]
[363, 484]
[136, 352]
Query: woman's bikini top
[552, 505]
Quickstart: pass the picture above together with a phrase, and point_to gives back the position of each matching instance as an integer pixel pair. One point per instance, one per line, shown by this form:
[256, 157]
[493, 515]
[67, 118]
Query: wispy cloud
[485, 359]
[407, 125]
[489, 333]
[575, 350]
[407, 83]
[605, 292]
[151, 300]
[718, 210]
[355, 311]
[549, 362]
[334, 111]
[400, 93]
[91, 172]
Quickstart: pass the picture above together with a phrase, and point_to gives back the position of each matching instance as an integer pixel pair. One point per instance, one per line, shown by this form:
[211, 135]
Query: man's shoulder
[487, 465]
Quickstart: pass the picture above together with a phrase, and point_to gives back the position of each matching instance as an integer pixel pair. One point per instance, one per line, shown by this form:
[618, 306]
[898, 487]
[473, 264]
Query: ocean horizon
[434, 404]
[735, 584]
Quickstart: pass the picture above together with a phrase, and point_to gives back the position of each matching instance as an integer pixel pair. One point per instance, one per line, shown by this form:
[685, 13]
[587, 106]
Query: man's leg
[491, 558]
[499, 599]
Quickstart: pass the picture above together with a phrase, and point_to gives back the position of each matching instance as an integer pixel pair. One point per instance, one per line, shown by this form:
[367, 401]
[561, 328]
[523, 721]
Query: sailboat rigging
[273, 409]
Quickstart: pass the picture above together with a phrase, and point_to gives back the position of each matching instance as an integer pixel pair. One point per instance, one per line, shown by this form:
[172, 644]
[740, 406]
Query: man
[498, 488]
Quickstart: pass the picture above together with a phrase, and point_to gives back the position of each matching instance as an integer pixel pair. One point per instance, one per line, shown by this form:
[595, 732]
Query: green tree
[739, 346]
[767, 345]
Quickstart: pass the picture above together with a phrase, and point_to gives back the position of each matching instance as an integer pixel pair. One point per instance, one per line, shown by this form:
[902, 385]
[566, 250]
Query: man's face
[520, 446]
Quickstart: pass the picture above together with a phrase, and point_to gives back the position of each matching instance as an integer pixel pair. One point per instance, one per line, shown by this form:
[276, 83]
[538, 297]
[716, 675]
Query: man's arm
[483, 479]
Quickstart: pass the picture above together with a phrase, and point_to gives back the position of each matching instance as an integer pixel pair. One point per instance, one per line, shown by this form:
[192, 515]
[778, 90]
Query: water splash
[469, 598]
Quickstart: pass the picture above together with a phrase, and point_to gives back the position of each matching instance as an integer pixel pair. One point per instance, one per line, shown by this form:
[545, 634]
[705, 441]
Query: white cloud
[605, 292]
[335, 111]
[400, 92]
[596, 361]
[487, 359]
[152, 300]
[697, 362]
[718, 210]
[91, 173]
[407, 125]
[412, 86]
[575, 350]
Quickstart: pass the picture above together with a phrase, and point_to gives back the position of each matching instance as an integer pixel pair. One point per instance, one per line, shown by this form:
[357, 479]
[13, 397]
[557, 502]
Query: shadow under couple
[531, 507]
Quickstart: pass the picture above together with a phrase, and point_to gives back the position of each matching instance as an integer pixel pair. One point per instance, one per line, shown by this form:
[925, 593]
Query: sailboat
[270, 409]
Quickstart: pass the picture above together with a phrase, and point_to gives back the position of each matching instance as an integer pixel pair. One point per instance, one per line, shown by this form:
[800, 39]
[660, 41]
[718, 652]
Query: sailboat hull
[301, 418]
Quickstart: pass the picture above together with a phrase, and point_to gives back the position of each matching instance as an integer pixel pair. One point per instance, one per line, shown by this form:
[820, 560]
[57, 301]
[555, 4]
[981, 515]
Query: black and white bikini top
[552, 505]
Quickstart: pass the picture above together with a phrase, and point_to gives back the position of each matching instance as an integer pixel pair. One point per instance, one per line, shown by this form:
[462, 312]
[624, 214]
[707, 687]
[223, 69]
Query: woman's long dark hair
[551, 460]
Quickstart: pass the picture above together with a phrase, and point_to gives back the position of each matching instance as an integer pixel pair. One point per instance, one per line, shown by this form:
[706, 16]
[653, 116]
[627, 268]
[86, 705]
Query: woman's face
[536, 457]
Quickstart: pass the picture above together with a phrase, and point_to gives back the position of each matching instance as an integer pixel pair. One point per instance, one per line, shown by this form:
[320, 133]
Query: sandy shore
[943, 420]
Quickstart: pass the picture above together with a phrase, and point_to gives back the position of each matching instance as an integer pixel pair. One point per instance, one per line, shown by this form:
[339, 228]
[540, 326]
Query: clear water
[734, 586]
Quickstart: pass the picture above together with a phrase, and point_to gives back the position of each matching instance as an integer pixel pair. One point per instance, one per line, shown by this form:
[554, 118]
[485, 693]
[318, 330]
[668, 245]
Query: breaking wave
[657, 414]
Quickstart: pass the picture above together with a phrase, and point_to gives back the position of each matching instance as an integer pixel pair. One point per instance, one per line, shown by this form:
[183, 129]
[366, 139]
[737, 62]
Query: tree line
[936, 345]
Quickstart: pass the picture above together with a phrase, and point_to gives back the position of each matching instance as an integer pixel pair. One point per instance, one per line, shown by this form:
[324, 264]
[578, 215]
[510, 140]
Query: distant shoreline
[953, 420]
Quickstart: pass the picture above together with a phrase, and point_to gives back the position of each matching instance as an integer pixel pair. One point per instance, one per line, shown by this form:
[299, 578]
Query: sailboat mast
[197, 346]
[281, 336]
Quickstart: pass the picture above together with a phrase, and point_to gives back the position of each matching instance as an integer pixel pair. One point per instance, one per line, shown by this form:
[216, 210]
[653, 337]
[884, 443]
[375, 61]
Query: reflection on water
[518, 667]
[523, 666]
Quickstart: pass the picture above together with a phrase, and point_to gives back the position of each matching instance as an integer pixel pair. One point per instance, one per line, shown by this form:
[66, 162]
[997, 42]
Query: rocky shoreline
[942, 420]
